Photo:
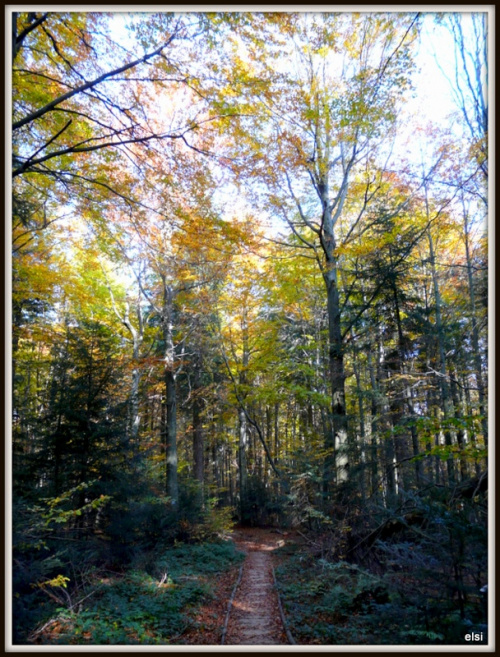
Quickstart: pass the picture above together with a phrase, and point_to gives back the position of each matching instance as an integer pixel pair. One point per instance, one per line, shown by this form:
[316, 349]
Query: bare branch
[88, 85]
[17, 39]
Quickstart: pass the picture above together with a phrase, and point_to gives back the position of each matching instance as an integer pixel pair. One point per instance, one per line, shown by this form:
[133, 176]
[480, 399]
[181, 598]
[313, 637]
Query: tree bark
[242, 463]
[243, 424]
[336, 468]
[475, 331]
[170, 396]
[447, 404]
[198, 437]
[362, 428]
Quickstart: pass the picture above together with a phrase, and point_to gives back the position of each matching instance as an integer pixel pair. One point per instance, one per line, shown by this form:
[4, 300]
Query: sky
[434, 96]
[433, 101]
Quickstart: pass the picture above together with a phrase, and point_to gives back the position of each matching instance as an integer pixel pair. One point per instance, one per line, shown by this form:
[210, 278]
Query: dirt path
[254, 617]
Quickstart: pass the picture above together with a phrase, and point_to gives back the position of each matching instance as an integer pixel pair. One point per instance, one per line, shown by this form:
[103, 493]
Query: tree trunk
[336, 467]
[198, 437]
[362, 430]
[243, 426]
[170, 397]
[171, 446]
[460, 432]
[447, 405]
[403, 397]
[414, 439]
[386, 432]
[374, 428]
[137, 338]
[242, 463]
[475, 332]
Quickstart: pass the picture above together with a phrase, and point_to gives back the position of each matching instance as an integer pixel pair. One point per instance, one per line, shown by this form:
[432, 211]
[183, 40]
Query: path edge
[230, 604]
[282, 613]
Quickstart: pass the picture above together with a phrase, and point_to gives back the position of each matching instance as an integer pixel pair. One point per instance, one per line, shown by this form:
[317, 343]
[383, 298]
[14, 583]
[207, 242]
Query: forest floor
[254, 616]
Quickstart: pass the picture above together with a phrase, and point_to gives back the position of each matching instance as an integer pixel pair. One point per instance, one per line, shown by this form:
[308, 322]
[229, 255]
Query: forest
[249, 329]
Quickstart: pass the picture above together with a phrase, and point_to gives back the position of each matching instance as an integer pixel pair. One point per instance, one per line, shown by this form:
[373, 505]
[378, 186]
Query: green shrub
[151, 603]
[340, 603]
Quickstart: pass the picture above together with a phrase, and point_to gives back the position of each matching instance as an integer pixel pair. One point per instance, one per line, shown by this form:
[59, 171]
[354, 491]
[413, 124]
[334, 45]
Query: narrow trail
[254, 617]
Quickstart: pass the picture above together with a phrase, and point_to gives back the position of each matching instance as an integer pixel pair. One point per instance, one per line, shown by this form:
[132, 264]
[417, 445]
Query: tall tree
[324, 123]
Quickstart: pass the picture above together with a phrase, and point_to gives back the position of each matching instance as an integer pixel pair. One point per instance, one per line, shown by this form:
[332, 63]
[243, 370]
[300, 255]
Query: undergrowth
[414, 574]
[340, 603]
[149, 604]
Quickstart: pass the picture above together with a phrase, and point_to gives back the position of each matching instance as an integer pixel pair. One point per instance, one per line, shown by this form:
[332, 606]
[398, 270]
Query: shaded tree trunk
[170, 438]
[243, 426]
[336, 462]
[443, 378]
[198, 437]
[475, 330]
